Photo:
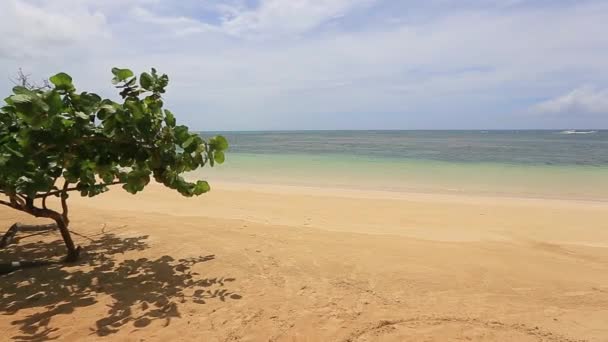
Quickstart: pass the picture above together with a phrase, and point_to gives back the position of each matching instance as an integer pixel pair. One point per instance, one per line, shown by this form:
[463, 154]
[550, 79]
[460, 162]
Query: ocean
[555, 164]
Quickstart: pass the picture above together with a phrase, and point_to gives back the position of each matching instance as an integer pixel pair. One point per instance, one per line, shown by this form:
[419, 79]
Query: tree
[55, 141]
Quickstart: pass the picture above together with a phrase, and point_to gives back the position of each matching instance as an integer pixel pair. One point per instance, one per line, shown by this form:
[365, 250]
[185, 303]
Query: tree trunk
[62, 221]
[73, 252]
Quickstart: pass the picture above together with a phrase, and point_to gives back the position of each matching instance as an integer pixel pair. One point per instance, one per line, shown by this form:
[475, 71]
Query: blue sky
[332, 64]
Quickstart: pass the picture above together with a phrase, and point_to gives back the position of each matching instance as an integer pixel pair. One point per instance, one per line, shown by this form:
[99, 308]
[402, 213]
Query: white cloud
[274, 17]
[445, 67]
[270, 19]
[179, 25]
[29, 30]
[586, 99]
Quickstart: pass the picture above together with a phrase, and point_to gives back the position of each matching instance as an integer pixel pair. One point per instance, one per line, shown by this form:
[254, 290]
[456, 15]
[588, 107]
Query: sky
[330, 64]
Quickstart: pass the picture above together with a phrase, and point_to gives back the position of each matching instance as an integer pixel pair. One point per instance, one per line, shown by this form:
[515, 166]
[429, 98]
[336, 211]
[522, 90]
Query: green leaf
[109, 109]
[137, 181]
[22, 98]
[82, 115]
[146, 81]
[219, 157]
[136, 108]
[62, 81]
[188, 142]
[41, 104]
[36, 121]
[130, 188]
[122, 74]
[21, 90]
[54, 102]
[67, 123]
[89, 101]
[105, 110]
[169, 118]
[220, 143]
[15, 152]
[181, 134]
[200, 188]
[107, 177]
[211, 159]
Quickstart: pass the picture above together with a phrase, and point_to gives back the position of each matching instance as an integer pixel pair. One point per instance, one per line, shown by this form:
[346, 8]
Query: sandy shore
[272, 263]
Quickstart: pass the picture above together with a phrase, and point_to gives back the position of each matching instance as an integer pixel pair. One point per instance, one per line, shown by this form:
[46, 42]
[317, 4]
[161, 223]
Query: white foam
[577, 132]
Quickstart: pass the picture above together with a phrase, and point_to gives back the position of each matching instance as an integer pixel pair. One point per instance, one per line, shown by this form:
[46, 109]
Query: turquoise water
[528, 163]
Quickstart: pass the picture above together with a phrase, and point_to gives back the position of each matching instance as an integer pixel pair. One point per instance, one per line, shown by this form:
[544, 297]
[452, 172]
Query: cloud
[28, 30]
[269, 20]
[287, 64]
[277, 17]
[586, 99]
[179, 25]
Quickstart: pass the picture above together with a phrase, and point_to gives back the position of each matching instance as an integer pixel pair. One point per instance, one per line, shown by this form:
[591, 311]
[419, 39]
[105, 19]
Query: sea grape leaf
[62, 81]
[122, 74]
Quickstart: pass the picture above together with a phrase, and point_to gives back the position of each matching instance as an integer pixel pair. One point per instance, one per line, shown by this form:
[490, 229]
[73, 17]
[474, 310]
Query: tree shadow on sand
[141, 290]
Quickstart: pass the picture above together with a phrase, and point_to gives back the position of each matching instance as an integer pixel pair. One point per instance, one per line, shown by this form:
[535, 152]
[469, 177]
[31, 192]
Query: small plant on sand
[55, 141]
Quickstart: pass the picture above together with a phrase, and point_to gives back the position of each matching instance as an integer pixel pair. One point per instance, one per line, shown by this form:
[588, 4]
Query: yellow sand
[273, 263]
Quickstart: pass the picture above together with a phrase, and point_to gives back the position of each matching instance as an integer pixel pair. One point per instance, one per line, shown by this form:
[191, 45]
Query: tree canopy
[55, 141]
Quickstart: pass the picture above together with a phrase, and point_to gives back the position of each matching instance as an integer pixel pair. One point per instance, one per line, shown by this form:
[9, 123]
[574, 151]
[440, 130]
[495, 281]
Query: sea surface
[555, 164]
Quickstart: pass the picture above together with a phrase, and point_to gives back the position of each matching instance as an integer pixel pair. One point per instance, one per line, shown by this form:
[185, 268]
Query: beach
[272, 262]
[304, 171]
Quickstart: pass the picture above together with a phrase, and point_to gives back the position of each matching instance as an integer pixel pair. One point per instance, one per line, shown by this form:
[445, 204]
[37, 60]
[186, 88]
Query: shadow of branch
[141, 291]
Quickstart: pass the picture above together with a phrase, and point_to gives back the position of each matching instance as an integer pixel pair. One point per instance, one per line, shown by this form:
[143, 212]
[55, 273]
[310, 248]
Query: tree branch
[83, 140]
[64, 204]
[47, 194]
[17, 200]
[58, 192]
[30, 208]
[44, 202]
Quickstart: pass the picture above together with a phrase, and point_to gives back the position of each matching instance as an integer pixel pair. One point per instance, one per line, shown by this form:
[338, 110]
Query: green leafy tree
[55, 141]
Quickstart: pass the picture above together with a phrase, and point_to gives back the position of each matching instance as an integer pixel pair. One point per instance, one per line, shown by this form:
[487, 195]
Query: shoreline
[349, 191]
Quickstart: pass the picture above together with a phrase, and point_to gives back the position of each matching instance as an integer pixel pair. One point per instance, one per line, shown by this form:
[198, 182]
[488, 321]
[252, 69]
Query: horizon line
[410, 130]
